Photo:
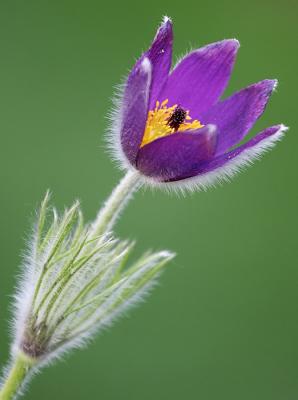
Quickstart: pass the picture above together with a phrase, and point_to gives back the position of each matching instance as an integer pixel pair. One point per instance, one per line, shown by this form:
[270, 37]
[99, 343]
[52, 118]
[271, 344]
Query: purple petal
[236, 115]
[135, 108]
[178, 154]
[198, 81]
[225, 166]
[160, 55]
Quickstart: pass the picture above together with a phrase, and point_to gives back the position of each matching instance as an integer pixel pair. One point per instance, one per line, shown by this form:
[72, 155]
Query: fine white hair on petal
[115, 118]
[113, 132]
[166, 19]
[223, 173]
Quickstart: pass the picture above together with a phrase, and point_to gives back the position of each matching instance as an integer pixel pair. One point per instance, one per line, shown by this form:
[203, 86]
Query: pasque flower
[174, 128]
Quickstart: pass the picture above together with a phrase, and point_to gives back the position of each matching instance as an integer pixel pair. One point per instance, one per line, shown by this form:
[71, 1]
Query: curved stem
[114, 205]
[16, 377]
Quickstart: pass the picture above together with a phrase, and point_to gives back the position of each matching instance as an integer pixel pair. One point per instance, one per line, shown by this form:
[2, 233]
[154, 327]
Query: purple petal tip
[165, 29]
[230, 44]
[226, 49]
[267, 85]
[233, 43]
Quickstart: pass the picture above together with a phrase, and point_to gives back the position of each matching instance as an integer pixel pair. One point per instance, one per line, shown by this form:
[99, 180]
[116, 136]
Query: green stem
[16, 376]
[117, 201]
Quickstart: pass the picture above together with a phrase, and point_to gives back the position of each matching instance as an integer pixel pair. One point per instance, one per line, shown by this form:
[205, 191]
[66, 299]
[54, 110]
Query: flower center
[177, 118]
[163, 121]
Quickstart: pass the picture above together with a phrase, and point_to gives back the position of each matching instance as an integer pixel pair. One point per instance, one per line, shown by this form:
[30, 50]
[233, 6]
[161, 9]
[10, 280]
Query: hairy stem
[19, 370]
[114, 205]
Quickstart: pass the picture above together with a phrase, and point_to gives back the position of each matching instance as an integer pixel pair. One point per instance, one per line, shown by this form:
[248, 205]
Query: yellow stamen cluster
[157, 123]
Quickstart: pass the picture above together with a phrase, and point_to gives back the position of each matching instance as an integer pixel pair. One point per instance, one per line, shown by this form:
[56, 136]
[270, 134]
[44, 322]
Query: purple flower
[173, 127]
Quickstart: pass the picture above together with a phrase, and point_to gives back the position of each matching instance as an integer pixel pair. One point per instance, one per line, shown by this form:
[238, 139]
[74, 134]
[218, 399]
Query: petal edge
[177, 155]
[199, 79]
[223, 168]
[160, 56]
[236, 115]
[134, 111]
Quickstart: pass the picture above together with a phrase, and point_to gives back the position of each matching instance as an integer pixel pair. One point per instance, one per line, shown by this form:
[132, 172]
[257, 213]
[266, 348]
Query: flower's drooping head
[173, 127]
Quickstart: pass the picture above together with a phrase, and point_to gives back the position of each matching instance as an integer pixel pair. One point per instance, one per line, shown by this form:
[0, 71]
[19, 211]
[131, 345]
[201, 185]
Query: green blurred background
[223, 323]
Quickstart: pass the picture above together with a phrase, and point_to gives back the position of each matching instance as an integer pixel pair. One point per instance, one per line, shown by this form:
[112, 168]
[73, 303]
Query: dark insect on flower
[177, 118]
